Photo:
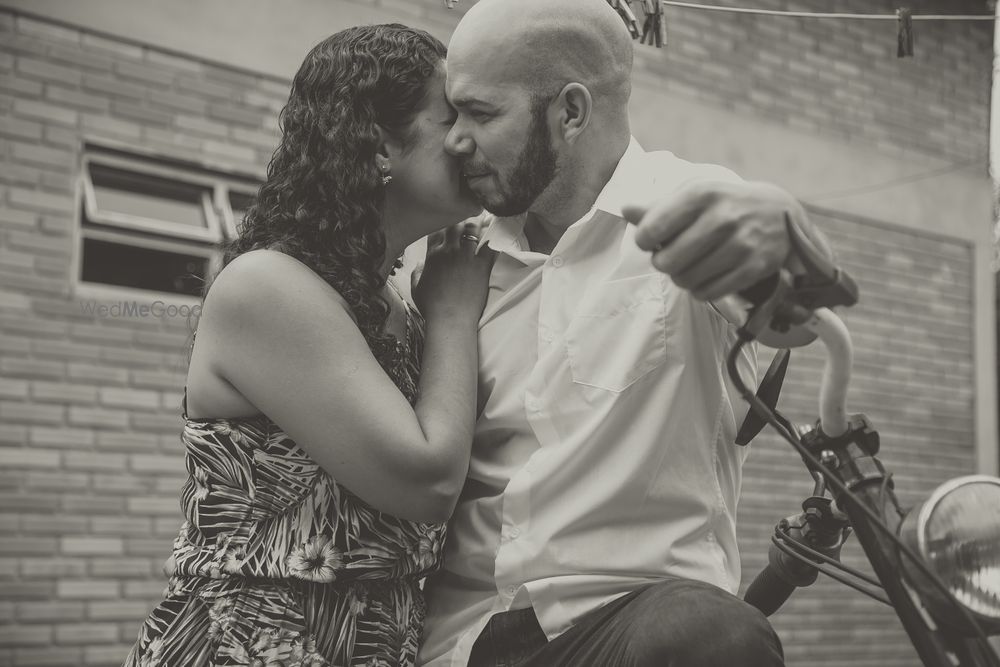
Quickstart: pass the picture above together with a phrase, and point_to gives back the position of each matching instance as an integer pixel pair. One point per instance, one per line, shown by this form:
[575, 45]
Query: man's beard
[535, 168]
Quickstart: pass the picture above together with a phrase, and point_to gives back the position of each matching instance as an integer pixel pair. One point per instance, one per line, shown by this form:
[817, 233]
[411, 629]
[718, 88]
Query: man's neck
[558, 208]
[542, 237]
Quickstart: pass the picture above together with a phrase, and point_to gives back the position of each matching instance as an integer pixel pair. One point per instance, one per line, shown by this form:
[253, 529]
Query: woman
[322, 464]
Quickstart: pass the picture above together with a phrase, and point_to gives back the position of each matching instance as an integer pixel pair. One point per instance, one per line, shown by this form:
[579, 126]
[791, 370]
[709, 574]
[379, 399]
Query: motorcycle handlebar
[837, 371]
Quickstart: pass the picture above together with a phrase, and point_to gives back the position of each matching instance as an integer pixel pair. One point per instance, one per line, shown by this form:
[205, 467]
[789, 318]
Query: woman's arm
[286, 341]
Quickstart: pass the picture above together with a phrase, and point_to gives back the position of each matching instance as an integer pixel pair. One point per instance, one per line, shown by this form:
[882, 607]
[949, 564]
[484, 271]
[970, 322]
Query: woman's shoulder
[264, 266]
[269, 274]
[260, 279]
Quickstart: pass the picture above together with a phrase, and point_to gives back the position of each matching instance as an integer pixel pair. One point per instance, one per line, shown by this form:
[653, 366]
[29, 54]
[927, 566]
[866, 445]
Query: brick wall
[90, 463]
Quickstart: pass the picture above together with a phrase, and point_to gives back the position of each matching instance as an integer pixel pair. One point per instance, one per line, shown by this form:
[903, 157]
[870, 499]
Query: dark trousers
[674, 623]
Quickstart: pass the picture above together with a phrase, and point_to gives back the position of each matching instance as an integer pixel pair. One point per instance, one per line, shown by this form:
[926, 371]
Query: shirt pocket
[619, 333]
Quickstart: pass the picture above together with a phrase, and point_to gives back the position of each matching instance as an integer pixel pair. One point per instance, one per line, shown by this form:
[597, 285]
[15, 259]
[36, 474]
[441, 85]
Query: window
[239, 202]
[152, 226]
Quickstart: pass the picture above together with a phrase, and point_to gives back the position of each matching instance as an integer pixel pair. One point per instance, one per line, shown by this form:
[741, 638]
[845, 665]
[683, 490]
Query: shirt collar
[628, 182]
[503, 234]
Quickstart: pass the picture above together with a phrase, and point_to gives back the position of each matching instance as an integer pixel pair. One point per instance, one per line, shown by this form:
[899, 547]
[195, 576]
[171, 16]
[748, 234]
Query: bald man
[597, 525]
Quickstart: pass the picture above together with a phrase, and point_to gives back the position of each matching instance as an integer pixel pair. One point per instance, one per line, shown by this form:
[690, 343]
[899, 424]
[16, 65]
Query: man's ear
[575, 108]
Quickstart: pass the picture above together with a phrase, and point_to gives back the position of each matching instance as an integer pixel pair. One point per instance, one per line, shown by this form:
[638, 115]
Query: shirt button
[511, 590]
[546, 335]
[532, 404]
[514, 533]
[557, 261]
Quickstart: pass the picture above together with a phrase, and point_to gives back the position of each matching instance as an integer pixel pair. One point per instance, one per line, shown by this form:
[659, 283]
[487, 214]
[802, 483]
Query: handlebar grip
[768, 591]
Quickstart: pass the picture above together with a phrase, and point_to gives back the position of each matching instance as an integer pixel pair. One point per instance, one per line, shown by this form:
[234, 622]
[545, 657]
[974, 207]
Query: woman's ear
[382, 163]
[383, 155]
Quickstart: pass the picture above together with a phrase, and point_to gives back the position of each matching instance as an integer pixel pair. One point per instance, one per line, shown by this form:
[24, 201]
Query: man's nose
[457, 142]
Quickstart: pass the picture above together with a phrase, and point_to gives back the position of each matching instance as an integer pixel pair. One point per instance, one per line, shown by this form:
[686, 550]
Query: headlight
[957, 533]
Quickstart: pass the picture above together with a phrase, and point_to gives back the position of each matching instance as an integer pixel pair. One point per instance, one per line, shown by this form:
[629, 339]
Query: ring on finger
[469, 237]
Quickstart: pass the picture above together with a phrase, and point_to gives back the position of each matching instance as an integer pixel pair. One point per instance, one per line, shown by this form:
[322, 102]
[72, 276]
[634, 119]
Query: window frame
[138, 231]
[212, 233]
[224, 205]
[211, 255]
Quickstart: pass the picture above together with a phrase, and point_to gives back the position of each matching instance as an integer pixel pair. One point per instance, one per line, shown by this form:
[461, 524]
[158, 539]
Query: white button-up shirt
[603, 456]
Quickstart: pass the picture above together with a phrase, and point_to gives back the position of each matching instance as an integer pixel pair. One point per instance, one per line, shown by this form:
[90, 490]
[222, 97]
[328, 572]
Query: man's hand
[717, 238]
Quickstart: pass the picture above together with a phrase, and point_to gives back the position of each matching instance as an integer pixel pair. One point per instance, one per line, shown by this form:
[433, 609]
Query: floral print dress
[278, 565]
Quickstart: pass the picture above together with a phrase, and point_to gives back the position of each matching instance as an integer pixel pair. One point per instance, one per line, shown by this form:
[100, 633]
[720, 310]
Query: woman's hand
[454, 279]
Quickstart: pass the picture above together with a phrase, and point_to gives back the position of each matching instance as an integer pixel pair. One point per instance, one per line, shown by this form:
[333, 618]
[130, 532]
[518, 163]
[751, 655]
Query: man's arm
[716, 238]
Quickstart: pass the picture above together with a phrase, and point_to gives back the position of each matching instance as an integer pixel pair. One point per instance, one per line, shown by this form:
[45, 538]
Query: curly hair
[322, 200]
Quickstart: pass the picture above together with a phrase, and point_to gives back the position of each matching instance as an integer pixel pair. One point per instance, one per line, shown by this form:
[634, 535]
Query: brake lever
[784, 299]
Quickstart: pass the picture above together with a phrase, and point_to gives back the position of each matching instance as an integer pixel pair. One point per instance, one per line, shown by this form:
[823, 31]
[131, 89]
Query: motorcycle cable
[831, 571]
[808, 555]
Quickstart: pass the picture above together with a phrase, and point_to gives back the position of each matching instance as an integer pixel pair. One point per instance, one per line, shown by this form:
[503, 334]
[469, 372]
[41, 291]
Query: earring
[386, 176]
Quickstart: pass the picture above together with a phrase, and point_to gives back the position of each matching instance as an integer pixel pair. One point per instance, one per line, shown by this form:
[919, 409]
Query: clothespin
[661, 33]
[647, 11]
[624, 9]
[654, 30]
[904, 34]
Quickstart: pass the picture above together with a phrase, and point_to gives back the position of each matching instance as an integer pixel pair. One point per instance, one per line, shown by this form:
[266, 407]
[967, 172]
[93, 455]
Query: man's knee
[694, 624]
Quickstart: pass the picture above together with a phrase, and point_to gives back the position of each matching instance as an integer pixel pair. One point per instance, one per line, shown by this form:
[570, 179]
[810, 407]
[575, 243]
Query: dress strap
[184, 393]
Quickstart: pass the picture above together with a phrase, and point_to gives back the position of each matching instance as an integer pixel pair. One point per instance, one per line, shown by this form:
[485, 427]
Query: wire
[886, 481]
[885, 185]
[830, 15]
[808, 551]
[767, 414]
[830, 572]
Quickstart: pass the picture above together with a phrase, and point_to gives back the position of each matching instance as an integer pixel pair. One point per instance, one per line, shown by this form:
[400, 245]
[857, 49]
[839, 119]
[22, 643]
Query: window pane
[119, 191]
[239, 203]
[130, 266]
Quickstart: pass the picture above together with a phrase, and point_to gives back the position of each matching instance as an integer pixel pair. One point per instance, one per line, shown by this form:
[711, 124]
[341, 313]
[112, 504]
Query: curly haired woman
[328, 425]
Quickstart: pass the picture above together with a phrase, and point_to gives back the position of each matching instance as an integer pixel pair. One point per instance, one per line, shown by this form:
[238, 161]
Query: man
[597, 525]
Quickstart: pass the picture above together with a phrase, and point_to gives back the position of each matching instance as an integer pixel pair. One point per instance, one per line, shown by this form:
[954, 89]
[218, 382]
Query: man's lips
[469, 172]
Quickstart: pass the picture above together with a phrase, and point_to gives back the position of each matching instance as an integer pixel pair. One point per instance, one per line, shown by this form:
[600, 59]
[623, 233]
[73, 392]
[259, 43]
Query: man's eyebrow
[465, 102]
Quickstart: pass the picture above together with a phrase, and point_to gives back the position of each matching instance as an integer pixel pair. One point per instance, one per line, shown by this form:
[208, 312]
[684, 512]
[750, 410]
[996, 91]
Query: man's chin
[504, 209]
[473, 192]
[494, 202]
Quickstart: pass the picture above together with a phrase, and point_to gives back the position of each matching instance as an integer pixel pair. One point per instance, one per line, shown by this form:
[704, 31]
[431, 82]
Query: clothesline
[829, 15]
[654, 25]
[813, 15]
[654, 22]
